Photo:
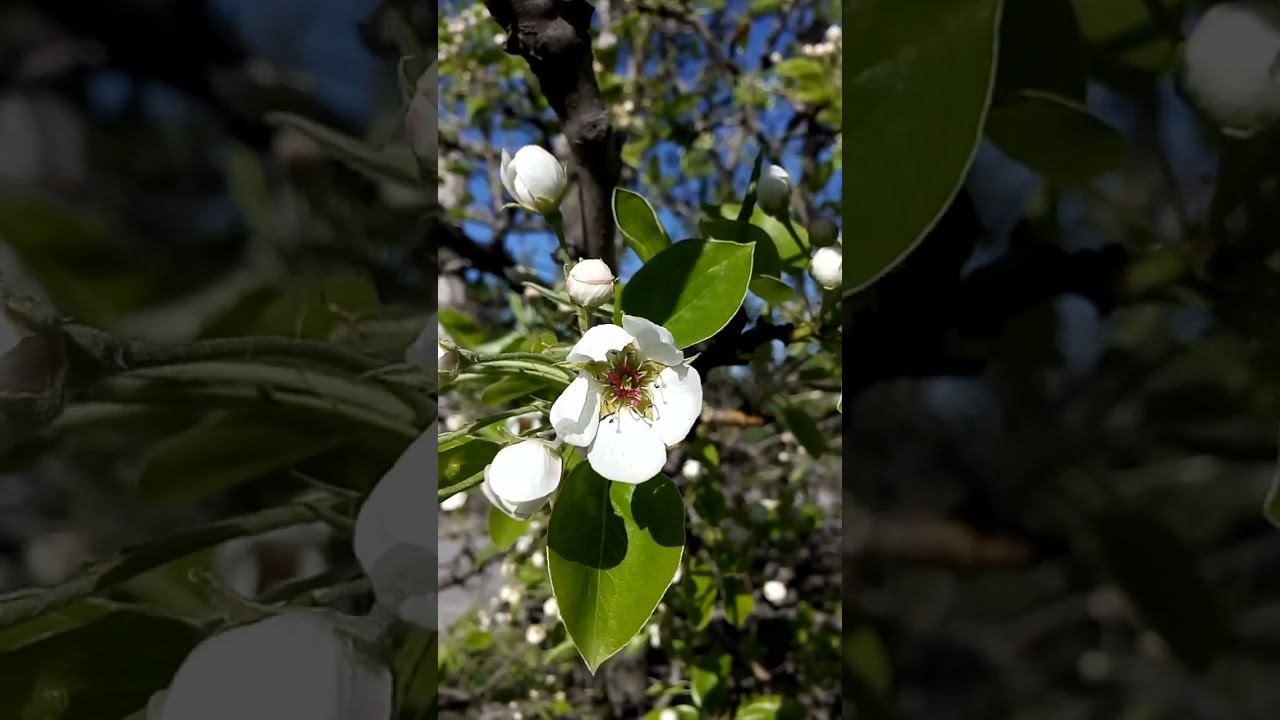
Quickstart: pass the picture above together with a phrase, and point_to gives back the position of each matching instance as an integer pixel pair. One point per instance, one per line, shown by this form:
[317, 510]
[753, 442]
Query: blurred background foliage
[1063, 425]
[161, 180]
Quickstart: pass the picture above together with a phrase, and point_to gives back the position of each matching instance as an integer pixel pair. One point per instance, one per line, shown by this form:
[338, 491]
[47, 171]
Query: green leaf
[699, 591]
[374, 163]
[504, 531]
[922, 75]
[1126, 31]
[92, 671]
[867, 662]
[1056, 137]
[511, 388]
[1041, 49]
[417, 673]
[708, 681]
[613, 549]
[771, 289]
[739, 603]
[805, 430]
[692, 288]
[798, 68]
[1160, 575]
[765, 261]
[767, 707]
[463, 330]
[462, 461]
[790, 254]
[639, 224]
[231, 448]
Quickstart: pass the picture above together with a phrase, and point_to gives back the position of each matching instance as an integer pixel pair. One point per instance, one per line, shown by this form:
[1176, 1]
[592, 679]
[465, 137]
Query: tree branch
[554, 37]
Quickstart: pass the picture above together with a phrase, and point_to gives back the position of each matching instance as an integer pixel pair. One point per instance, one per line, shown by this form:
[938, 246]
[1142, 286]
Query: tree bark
[554, 37]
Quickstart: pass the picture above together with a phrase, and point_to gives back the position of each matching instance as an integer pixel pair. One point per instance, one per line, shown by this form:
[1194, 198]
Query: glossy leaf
[709, 682]
[462, 461]
[1056, 137]
[230, 449]
[613, 549]
[639, 224]
[791, 254]
[693, 288]
[768, 707]
[920, 75]
[504, 531]
[805, 430]
[739, 603]
[87, 672]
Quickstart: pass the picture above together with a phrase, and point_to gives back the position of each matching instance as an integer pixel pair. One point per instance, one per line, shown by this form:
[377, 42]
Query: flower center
[625, 378]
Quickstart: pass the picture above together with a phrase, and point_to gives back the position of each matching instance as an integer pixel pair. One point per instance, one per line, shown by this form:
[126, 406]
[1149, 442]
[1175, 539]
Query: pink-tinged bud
[590, 283]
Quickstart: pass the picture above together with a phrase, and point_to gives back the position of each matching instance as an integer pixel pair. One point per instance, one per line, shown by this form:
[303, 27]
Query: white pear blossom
[668, 714]
[295, 666]
[395, 536]
[773, 190]
[633, 398]
[655, 635]
[823, 231]
[590, 283]
[1230, 63]
[523, 477]
[833, 34]
[828, 267]
[535, 634]
[775, 592]
[551, 608]
[521, 424]
[250, 565]
[538, 560]
[535, 178]
[511, 594]
[420, 120]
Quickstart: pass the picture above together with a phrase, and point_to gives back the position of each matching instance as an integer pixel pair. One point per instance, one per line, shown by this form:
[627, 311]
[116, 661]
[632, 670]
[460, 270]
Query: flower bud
[420, 120]
[295, 666]
[823, 231]
[590, 283]
[828, 267]
[535, 179]
[1229, 65]
[395, 536]
[522, 478]
[773, 190]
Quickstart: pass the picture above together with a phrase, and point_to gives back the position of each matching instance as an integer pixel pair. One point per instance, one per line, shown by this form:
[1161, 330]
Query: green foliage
[612, 549]
[692, 288]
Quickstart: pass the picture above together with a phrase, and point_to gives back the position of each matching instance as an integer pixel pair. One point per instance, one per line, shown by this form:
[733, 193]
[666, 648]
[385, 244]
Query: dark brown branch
[554, 37]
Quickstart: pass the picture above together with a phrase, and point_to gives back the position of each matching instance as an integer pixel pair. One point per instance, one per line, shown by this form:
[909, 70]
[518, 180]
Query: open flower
[634, 397]
[523, 477]
[295, 666]
[535, 179]
[395, 537]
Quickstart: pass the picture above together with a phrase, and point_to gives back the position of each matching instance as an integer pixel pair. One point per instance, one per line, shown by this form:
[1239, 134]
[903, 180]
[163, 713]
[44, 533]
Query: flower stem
[791, 228]
[584, 320]
[445, 438]
[446, 493]
[556, 221]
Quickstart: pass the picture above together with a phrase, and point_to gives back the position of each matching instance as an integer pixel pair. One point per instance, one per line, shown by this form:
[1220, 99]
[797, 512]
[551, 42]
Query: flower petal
[522, 195]
[677, 402]
[627, 449]
[575, 415]
[507, 173]
[528, 470]
[597, 341]
[517, 511]
[655, 342]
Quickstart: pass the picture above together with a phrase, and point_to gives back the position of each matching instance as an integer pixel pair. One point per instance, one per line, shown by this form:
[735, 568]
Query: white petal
[677, 402]
[518, 511]
[521, 193]
[655, 342]
[395, 535]
[542, 174]
[575, 415]
[293, 666]
[627, 449]
[597, 341]
[507, 173]
[525, 471]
